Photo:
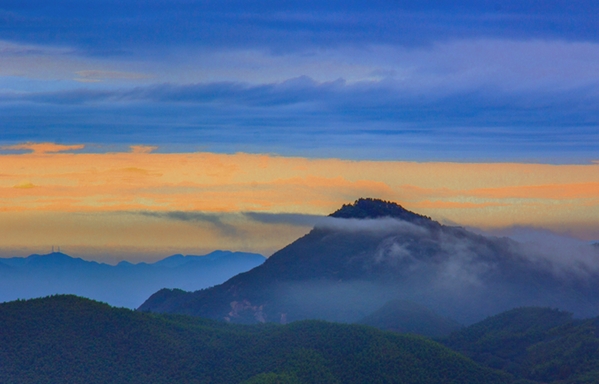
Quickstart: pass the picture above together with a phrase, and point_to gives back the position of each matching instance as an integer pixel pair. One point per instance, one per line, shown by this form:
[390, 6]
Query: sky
[137, 129]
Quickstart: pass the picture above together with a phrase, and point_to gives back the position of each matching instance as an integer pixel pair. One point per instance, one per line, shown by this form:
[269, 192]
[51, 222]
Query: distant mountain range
[123, 285]
[373, 251]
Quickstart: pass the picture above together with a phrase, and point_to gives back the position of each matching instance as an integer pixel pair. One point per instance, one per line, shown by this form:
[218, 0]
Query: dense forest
[540, 344]
[66, 338]
[76, 340]
[408, 317]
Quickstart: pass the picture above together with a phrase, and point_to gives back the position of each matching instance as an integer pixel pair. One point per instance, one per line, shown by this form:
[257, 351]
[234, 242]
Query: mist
[379, 226]
[563, 255]
[448, 269]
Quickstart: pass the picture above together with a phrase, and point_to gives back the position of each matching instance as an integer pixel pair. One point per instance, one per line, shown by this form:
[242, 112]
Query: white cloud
[382, 225]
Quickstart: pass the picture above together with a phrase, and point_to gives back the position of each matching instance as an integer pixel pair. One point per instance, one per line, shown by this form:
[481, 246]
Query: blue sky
[397, 80]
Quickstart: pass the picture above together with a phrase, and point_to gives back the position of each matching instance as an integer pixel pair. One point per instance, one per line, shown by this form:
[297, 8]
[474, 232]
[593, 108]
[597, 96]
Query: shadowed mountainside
[373, 251]
[408, 317]
[125, 284]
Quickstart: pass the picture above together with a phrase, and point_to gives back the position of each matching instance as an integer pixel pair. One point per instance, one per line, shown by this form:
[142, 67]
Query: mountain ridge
[124, 284]
[347, 267]
[61, 256]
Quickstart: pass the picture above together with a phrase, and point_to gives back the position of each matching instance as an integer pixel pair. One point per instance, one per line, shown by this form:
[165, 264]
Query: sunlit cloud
[41, 148]
[472, 114]
[226, 200]
[143, 148]
[24, 185]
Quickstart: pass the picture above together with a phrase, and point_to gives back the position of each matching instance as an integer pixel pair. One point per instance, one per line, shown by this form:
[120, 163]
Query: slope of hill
[125, 284]
[540, 344]
[63, 339]
[408, 317]
[373, 251]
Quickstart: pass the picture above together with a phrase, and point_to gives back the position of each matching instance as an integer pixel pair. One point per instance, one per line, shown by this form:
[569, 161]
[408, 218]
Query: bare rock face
[244, 309]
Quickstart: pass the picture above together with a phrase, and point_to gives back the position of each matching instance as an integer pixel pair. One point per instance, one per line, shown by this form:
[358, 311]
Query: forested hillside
[541, 344]
[67, 339]
[408, 317]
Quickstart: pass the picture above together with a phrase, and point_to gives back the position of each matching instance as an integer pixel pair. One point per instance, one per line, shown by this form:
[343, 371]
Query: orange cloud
[142, 148]
[52, 183]
[218, 182]
[456, 205]
[549, 191]
[24, 185]
[40, 148]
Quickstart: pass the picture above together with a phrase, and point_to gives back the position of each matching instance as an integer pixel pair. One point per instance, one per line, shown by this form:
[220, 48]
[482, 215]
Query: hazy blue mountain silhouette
[373, 251]
[125, 284]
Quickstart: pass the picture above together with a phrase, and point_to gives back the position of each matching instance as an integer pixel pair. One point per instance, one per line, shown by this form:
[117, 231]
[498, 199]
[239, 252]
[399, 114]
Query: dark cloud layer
[115, 27]
[299, 219]
[195, 217]
[385, 100]
[432, 80]
[326, 117]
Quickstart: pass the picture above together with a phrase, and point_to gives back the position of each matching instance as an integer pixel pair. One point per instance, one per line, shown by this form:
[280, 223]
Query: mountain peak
[369, 208]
